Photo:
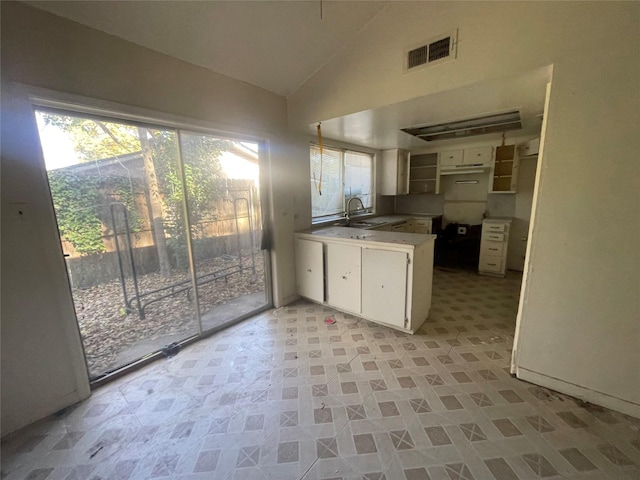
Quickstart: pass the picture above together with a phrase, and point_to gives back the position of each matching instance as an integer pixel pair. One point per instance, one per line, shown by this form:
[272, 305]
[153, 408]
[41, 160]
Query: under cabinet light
[466, 182]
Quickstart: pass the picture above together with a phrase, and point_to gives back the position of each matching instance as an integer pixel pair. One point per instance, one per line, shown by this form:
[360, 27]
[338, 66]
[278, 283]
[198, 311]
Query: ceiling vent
[497, 122]
[442, 48]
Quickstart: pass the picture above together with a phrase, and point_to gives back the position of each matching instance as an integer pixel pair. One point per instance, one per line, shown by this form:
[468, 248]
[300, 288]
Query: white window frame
[314, 181]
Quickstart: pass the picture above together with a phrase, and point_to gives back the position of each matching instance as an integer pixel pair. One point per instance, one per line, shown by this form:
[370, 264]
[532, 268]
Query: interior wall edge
[582, 393]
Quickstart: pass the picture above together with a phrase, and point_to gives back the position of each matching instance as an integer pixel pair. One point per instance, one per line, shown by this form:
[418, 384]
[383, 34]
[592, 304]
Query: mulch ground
[107, 329]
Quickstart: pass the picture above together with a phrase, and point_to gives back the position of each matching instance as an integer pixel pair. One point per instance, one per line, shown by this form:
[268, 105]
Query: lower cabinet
[384, 286]
[493, 247]
[310, 269]
[389, 283]
[344, 277]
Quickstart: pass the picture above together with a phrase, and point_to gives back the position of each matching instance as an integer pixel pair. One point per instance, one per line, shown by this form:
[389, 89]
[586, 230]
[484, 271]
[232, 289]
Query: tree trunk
[155, 200]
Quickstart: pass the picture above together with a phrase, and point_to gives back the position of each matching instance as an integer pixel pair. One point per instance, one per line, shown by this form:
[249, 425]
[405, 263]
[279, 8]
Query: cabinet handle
[309, 270]
[491, 264]
[344, 278]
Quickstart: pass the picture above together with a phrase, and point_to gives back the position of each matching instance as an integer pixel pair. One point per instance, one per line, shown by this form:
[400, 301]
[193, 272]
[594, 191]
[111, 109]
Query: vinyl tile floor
[284, 395]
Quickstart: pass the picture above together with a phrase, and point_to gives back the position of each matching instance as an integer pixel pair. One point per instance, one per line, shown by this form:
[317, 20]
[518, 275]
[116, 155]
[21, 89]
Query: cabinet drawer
[494, 237]
[490, 264]
[494, 227]
[452, 157]
[401, 227]
[492, 249]
[422, 226]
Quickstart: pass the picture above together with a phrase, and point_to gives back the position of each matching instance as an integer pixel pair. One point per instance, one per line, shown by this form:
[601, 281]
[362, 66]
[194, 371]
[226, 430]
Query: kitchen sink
[361, 223]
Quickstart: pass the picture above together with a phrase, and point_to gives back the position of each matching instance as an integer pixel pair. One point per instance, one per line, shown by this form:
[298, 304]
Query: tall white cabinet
[493, 246]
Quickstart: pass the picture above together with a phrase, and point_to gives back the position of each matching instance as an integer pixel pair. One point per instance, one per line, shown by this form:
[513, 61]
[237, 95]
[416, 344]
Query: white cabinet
[480, 156]
[405, 227]
[530, 148]
[451, 158]
[394, 170]
[422, 225]
[384, 286]
[385, 279]
[344, 277]
[423, 173]
[453, 161]
[493, 247]
[310, 269]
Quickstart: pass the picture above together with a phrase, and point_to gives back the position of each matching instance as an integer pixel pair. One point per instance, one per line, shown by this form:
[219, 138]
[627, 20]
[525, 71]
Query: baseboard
[287, 300]
[582, 393]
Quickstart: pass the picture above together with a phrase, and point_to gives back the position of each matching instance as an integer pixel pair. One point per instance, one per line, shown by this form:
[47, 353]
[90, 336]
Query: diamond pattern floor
[286, 396]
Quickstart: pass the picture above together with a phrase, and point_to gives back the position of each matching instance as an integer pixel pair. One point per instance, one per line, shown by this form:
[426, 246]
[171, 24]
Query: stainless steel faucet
[348, 213]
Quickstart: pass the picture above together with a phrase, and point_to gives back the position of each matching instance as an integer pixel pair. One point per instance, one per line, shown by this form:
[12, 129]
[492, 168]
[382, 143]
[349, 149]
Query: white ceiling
[276, 45]
[380, 127]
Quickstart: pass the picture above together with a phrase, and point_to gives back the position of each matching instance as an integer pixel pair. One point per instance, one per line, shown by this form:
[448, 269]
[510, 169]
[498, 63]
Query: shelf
[423, 180]
[423, 166]
[507, 152]
[502, 184]
[423, 160]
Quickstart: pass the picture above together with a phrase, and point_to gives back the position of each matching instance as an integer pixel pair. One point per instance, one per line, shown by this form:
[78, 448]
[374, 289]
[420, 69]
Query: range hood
[494, 123]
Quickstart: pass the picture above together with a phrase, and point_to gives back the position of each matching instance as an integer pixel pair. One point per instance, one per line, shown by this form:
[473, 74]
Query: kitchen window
[337, 177]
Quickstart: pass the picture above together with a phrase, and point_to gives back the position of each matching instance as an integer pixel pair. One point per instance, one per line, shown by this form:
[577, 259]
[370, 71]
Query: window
[337, 177]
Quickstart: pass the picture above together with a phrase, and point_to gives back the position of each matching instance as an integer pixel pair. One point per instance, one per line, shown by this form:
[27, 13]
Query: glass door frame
[82, 106]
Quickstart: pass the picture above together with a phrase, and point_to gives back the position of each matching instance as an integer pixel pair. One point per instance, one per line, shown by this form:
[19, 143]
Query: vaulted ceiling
[276, 45]
[279, 45]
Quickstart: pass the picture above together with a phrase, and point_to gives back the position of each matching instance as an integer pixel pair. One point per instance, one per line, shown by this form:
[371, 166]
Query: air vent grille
[418, 56]
[439, 49]
[442, 48]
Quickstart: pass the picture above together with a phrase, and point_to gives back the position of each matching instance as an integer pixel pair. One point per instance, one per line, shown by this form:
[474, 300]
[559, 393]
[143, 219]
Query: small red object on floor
[329, 321]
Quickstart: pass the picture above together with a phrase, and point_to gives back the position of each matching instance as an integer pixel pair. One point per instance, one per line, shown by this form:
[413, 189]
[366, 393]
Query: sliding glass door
[154, 223]
[225, 218]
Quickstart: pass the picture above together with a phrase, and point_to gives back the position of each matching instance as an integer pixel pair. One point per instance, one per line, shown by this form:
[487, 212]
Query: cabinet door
[450, 158]
[310, 270]
[401, 227]
[403, 172]
[422, 225]
[478, 156]
[395, 172]
[344, 277]
[384, 286]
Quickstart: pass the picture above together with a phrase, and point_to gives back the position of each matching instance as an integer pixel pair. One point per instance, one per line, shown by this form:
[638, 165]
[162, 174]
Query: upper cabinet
[504, 174]
[529, 149]
[423, 173]
[454, 161]
[395, 172]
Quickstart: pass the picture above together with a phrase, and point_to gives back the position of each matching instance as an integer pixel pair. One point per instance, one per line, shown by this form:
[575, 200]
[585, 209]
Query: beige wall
[579, 321]
[579, 328]
[42, 362]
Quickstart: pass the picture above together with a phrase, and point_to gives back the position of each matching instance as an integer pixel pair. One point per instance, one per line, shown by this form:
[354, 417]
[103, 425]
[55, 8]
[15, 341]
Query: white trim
[42, 97]
[577, 391]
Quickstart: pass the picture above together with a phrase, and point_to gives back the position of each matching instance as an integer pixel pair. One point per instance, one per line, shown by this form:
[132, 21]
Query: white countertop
[369, 236]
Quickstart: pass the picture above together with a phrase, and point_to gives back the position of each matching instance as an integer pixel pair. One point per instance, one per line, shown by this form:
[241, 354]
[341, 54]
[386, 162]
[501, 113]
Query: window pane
[330, 171]
[358, 177]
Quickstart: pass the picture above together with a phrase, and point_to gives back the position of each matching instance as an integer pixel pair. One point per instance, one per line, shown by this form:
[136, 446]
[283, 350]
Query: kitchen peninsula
[382, 276]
